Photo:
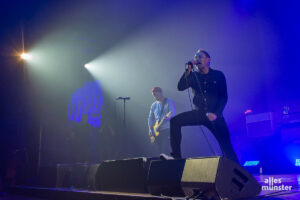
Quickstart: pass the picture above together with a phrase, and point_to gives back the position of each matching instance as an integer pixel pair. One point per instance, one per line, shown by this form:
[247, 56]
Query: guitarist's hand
[150, 133]
[157, 128]
[152, 138]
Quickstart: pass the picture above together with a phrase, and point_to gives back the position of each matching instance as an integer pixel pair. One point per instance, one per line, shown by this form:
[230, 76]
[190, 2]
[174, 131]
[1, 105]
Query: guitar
[157, 126]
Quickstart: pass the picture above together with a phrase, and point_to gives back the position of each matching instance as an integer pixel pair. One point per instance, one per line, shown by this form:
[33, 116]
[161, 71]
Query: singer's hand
[188, 70]
[211, 116]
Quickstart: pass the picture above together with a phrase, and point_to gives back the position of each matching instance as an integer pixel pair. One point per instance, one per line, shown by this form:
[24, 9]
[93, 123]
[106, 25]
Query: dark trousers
[163, 141]
[192, 118]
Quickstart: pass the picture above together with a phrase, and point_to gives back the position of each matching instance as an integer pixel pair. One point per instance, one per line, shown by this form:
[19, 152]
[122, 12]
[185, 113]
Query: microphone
[190, 63]
[123, 98]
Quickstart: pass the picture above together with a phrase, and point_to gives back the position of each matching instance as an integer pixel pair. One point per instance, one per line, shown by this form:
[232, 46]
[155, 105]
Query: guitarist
[160, 114]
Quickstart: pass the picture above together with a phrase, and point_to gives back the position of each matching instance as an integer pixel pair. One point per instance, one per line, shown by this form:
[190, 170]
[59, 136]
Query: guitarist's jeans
[163, 141]
[192, 118]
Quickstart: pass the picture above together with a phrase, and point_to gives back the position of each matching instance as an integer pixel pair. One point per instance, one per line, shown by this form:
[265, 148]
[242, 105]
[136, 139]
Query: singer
[210, 97]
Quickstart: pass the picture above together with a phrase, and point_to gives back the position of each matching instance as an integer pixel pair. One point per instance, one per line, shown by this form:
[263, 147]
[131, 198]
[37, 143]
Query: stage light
[87, 66]
[253, 166]
[248, 111]
[251, 163]
[26, 56]
[297, 163]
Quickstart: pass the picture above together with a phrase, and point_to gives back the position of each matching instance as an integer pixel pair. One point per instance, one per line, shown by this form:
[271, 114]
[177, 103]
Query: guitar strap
[162, 109]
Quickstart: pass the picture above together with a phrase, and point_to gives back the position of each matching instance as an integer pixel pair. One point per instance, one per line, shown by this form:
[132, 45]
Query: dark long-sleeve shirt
[213, 97]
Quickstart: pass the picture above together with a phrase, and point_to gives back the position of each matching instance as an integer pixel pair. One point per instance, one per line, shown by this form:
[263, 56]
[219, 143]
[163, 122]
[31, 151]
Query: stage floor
[66, 194]
[276, 187]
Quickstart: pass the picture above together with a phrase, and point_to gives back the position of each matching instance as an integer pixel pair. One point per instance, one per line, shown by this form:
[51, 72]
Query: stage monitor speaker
[164, 178]
[72, 175]
[47, 176]
[260, 125]
[91, 179]
[207, 177]
[290, 133]
[127, 175]
[68, 175]
[79, 176]
[63, 177]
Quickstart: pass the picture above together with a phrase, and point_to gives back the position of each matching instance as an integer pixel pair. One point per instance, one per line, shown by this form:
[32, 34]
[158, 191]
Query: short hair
[156, 89]
[203, 51]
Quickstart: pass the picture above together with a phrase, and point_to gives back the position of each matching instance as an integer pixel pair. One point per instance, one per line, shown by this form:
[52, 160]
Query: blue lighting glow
[251, 163]
[297, 163]
[87, 100]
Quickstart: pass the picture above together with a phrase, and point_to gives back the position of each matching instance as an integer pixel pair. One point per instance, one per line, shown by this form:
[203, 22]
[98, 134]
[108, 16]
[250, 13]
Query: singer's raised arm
[185, 82]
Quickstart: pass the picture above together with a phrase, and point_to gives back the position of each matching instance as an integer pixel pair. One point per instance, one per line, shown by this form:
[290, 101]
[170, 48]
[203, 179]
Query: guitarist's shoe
[163, 156]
